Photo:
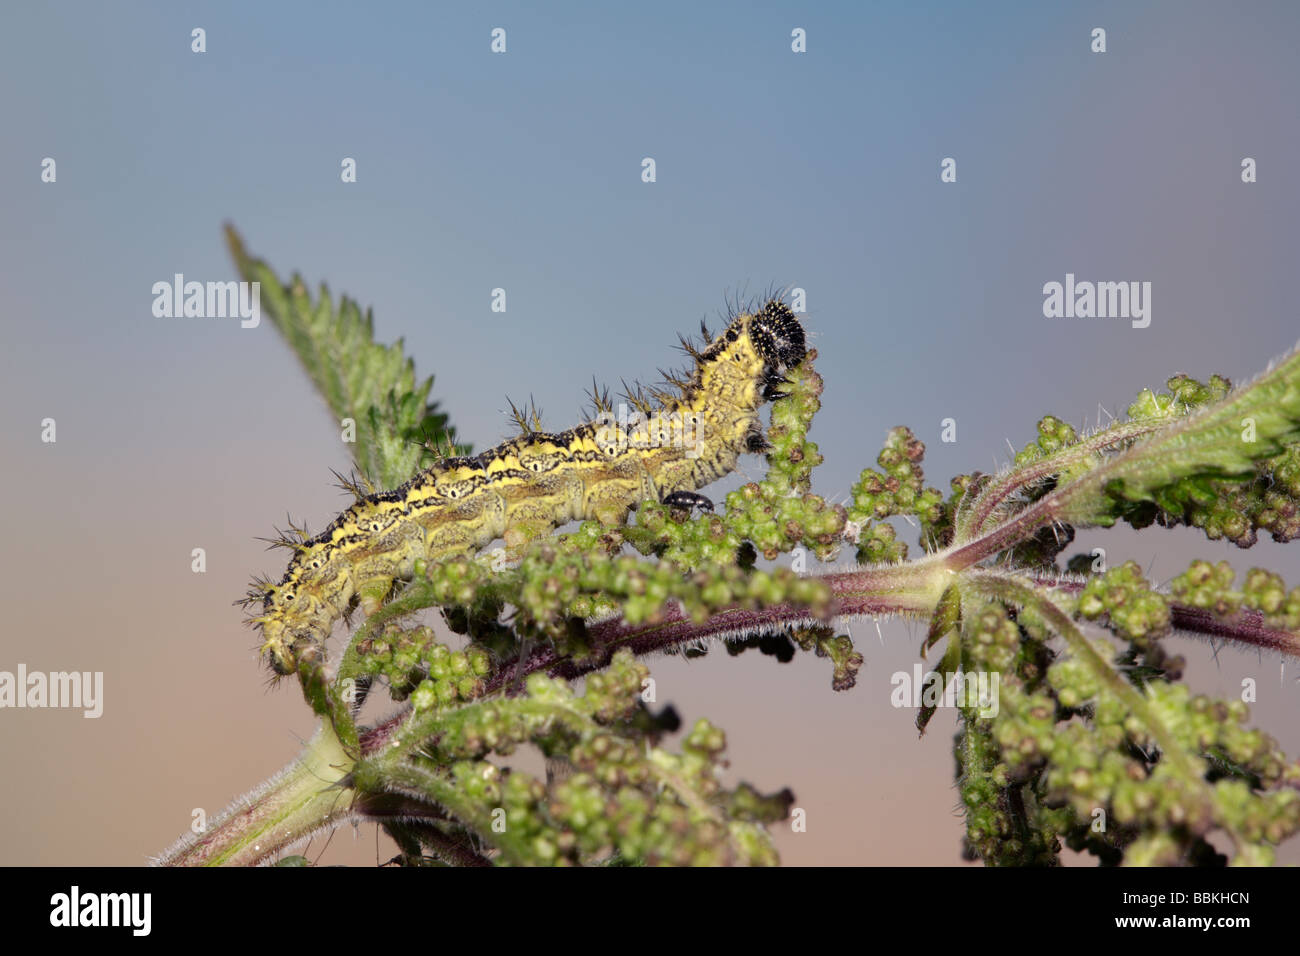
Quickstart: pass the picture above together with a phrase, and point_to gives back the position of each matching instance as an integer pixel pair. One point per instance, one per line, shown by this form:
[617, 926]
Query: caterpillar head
[271, 625]
[278, 654]
[288, 624]
[779, 340]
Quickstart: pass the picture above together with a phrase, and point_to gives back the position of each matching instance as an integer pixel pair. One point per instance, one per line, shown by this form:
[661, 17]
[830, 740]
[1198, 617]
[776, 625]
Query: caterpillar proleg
[680, 442]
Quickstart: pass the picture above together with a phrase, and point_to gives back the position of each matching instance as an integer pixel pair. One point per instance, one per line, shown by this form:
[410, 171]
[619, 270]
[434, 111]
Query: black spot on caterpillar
[536, 482]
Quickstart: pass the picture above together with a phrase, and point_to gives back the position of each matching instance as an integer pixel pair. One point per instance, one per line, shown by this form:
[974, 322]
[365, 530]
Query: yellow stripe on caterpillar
[535, 483]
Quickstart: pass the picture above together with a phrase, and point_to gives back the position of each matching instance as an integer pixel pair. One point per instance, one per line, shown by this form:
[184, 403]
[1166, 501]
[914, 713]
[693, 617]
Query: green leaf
[947, 616]
[373, 385]
[1171, 468]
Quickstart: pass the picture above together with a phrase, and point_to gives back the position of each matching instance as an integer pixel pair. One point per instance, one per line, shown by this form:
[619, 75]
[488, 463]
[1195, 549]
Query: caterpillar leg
[373, 591]
[519, 534]
[285, 649]
[281, 660]
[687, 500]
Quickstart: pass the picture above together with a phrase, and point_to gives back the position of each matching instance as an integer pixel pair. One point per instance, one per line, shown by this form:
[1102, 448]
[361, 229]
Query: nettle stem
[1245, 626]
[910, 590]
[973, 520]
[304, 797]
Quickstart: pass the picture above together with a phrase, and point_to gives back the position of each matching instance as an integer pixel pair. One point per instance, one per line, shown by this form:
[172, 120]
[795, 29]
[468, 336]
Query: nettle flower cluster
[612, 793]
[1096, 744]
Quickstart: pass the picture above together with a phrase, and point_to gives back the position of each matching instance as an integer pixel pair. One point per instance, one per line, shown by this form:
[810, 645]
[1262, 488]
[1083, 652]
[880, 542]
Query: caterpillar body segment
[536, 482]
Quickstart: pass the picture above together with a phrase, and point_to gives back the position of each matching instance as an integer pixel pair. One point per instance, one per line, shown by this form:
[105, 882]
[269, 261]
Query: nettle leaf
[374, 385]
[1173, 466]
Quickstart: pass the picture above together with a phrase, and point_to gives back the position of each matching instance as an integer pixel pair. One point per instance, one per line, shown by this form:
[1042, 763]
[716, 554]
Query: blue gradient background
[522, 171]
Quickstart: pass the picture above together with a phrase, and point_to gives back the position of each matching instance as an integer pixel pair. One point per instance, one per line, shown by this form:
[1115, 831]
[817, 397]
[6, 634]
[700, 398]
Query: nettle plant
[1095, 743]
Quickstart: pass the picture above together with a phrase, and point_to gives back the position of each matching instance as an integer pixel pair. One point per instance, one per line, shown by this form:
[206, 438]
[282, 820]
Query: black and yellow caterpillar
[536, 482]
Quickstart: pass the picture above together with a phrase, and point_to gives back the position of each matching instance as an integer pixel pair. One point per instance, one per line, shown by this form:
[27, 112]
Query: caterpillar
[534, 483]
